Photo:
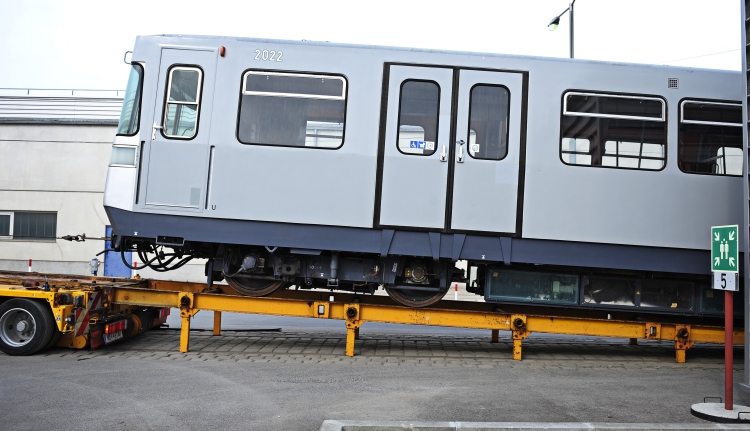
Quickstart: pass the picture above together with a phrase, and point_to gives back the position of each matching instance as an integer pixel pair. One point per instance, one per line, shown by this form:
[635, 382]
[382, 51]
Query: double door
[451, 149]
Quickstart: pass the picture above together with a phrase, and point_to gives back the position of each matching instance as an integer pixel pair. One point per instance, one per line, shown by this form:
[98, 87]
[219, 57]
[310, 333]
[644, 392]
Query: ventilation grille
[673, 83]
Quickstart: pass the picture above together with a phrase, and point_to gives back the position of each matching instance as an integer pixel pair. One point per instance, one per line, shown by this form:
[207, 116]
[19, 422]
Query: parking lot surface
[285, 375]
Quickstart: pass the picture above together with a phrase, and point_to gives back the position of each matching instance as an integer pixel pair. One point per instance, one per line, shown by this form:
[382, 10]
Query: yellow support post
[185, 303]
[680, 356]
[217, 322]
[520, 331]
[350, 337]
[495, 336]
[352, 326]
[185, 333]
[517, 349]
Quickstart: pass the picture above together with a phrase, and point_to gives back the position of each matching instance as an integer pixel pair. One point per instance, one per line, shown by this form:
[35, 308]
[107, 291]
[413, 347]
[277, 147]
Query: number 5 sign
[725, 281]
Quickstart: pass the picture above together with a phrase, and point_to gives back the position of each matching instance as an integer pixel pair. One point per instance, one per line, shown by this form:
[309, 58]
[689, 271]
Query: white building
[55, 146]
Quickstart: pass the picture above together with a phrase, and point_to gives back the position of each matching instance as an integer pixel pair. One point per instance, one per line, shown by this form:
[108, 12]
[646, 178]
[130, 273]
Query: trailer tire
[56, 335]
[26, 327]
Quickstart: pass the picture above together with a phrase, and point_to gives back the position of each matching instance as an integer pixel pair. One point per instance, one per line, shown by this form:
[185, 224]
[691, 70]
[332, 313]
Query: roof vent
[673, 83]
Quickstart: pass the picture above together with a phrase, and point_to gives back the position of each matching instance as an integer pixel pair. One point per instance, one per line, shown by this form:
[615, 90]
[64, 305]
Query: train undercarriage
[421, 281]
[261, 271]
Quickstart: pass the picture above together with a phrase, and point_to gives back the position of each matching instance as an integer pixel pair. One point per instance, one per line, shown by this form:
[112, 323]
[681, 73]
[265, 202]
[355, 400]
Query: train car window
[419, 108]
[609, 291]
[710, 138]
[292, 109]
[488, 122]
[615, 131]
[181, 111]
[529, 286]
[131, 103]
[677, 295]
[712, 301]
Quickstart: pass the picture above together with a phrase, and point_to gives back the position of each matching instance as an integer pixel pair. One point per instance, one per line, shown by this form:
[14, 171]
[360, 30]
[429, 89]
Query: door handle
[443, 155]
[460, 157]
[153, 130]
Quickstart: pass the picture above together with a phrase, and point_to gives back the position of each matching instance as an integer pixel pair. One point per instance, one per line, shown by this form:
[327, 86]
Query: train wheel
[415, 298]
[255, 287]
[26, 327]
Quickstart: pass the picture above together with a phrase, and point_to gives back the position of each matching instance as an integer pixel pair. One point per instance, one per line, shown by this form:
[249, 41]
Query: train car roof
[437, 51]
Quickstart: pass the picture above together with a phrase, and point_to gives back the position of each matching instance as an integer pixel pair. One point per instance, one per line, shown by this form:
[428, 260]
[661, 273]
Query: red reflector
[118, 326]
[164, 312]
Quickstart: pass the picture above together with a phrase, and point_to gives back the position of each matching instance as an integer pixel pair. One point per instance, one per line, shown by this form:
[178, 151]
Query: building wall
[61, 167]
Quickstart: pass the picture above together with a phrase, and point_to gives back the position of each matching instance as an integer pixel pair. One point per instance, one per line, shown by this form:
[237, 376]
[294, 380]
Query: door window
[488, 122]
[418, 117]
[181, 111]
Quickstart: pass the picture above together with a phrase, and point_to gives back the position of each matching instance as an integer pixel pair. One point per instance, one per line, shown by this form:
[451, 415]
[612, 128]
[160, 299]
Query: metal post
[217, 322]
[571, 28]
[728, 351]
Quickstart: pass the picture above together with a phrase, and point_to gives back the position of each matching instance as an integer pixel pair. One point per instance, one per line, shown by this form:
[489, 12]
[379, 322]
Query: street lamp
[556, 21]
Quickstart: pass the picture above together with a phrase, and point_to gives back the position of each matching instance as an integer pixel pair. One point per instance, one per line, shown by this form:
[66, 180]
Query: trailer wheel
[26, 327]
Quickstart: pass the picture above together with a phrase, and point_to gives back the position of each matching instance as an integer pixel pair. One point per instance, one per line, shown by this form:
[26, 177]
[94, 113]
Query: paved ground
[293, 379]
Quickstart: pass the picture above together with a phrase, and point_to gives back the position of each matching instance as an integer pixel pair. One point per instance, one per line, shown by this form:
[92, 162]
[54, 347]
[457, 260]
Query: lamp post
[556, 21]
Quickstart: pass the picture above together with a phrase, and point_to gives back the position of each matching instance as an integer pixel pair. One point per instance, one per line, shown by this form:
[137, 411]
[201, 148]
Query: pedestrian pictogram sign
[724, 249]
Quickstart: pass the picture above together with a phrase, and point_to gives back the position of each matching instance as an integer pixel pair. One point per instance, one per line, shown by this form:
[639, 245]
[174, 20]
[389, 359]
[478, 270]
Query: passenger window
[488, 122]
[419, 108]
[616, 131]
[292, 109]
[710, 138]
[181, 112]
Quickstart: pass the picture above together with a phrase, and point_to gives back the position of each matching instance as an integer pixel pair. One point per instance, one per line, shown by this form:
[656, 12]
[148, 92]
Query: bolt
[518, 323]
[185, 301]
[351, 312]
[682, 333]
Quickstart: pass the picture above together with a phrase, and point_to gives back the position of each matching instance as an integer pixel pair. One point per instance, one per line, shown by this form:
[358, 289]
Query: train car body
[563, 182]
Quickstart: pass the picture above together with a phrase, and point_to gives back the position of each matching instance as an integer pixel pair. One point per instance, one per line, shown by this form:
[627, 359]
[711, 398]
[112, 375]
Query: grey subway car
[562, 182]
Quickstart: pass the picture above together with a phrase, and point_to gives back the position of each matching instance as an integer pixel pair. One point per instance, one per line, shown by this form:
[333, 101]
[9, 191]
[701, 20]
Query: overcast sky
[80, 44]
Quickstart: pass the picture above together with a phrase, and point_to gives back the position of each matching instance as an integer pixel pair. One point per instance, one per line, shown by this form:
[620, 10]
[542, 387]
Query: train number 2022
[266, 55]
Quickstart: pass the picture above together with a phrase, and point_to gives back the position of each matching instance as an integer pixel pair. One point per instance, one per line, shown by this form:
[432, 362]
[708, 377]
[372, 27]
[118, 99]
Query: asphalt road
[295, 375]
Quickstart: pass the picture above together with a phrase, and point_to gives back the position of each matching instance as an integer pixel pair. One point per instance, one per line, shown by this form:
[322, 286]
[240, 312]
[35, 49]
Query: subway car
[561, 183]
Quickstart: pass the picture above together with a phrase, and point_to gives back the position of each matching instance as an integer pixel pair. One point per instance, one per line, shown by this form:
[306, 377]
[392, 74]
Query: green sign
[724, 249]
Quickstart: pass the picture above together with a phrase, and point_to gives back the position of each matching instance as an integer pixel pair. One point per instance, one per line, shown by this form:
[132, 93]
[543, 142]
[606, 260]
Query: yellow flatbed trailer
[83, 322]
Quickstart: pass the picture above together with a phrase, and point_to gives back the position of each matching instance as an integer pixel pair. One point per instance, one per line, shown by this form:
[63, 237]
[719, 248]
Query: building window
[6, 224]
[292, 109]
[615, 131]
[28, 225]
[183, 102]
[488, 122]
[710, 138]
[418, 111]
